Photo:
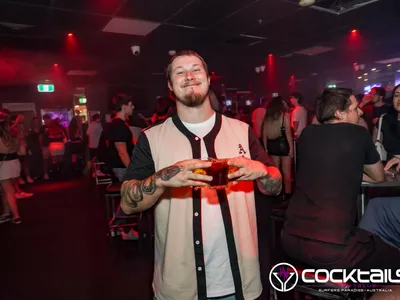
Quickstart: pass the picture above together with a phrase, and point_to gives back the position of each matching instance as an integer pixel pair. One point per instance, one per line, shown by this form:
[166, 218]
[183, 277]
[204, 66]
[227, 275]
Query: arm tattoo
[133, 191]
[270, 185]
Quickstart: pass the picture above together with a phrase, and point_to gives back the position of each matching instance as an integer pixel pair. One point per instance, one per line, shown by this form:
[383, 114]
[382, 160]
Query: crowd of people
[206, 239]
[334, 153]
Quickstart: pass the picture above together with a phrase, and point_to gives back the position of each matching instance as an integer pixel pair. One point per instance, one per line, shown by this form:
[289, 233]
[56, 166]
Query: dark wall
[28, 93]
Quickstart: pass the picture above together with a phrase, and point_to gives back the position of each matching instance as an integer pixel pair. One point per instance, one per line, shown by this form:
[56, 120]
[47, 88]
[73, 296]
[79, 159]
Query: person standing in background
[19, 130]
[34, 149]
[257, 118]
[299, 114]
[44, 143]
[373, 106]
[10, 169]
[94, 132]
[278, 140]
[119, 136]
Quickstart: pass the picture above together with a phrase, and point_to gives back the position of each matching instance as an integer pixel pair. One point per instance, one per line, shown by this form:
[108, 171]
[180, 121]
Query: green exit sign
[45, 88]
[82, 100]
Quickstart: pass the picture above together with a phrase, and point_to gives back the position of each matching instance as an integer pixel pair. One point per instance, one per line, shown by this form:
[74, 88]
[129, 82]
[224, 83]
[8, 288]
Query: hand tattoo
[133, 191]
[167, 173]
[270, 185]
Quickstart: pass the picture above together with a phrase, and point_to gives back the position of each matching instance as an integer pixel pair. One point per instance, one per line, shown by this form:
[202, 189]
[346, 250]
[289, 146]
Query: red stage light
[70, 34]
[55, 65]
[270, 54]
[354, 31]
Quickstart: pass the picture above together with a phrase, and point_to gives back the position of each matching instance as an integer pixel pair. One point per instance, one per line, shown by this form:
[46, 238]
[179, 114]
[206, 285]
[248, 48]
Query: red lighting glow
[270, 54]
[55, 65]
[354, 31]
[70, 34]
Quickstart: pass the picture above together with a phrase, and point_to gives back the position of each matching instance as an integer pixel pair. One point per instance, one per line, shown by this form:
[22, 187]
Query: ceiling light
[389, 65]
[171, 52]
[360, 77]
[306, 2]
[257, 69]
[365, 79]
[374, 69]
[365, 74]
[362, 67]
[398, 71]
[356, 67]
[262, 68]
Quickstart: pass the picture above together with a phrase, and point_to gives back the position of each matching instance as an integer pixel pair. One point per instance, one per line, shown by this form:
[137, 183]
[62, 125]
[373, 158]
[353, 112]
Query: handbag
[378, 144]
[283, 142]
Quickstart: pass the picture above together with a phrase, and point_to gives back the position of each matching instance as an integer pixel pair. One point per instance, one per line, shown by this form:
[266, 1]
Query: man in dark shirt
[320, 228]
[120, 144]
[373, 106]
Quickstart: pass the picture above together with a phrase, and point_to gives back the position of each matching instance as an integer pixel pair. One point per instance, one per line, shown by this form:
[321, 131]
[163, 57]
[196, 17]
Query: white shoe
[5, 218]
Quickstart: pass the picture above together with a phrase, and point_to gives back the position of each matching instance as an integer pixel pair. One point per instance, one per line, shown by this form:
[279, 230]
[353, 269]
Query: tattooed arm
[271, 184]
[268, 178]
[139, 195]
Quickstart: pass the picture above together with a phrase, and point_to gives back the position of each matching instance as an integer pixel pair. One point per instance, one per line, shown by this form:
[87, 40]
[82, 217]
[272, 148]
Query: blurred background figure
[57, 140]
[165, 108]
[34, 153]
[278, 139]
[10, 168]
[257, 118]
[94, 132]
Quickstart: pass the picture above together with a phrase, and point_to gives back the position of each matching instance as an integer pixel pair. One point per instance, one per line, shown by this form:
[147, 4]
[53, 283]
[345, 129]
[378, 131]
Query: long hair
[6, 134]
[394, 113]
[272, 120]
[274, 109]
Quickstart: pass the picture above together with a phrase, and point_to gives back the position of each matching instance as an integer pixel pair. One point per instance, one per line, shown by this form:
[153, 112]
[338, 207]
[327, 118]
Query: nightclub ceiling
[233, 35]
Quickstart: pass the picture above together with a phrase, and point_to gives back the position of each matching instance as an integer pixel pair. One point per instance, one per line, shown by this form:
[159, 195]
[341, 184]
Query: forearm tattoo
[133, 191]
[271, 185]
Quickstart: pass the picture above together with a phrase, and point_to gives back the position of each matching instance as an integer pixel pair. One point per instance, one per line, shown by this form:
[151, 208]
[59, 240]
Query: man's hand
[393, 162]
[247, 169]
[269, 179]
[181, 174]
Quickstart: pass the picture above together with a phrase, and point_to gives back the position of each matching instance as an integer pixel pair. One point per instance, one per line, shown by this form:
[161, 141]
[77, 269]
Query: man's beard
[193, 99]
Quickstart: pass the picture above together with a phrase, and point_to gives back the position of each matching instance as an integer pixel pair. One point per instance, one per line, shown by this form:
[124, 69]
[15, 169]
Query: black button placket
[209, 141]
[195, 143]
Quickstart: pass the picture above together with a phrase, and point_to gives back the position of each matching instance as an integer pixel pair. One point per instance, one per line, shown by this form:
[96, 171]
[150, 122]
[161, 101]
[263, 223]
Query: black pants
[364, 251]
